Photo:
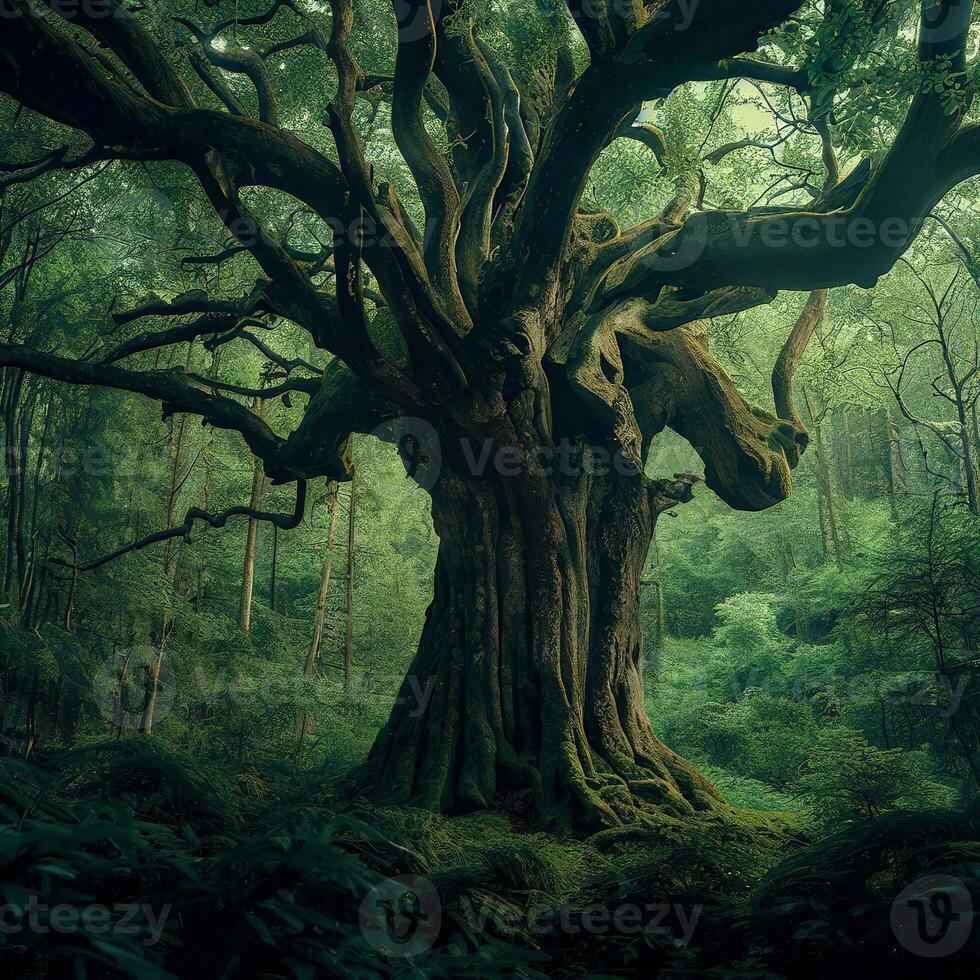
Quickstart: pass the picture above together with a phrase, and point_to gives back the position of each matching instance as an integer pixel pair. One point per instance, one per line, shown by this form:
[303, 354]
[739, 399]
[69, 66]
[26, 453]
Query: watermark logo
[418, 447]
[124, 685]
[416, 18]
[933, 916]
[401, 916]
[139, 210]
[774, 233]
[422, 454]
[122, 919]
[678, 15]
[943, 22]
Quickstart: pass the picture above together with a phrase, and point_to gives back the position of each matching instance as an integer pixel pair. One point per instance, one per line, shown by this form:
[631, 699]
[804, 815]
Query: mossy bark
[531, 650]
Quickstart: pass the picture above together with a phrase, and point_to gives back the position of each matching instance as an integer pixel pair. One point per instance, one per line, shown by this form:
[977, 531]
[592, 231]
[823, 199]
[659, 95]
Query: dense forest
[490, 489]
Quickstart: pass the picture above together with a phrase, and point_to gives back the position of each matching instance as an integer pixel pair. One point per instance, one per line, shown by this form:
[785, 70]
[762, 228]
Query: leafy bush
[847, 779]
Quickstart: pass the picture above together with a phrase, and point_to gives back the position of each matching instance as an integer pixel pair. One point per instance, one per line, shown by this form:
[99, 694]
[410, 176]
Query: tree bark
[845, 455]
[24, 432]
[890, 459]
[526, 687]
[248, 565]
[825, 490]
[170, 557]
[652, 661]
[273, 566]
[12, 395]
[202, 541]
[967, 449]
[349, 603]
[320, 611]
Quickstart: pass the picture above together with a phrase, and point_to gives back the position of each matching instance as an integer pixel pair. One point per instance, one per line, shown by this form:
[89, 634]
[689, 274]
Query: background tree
[954, 340]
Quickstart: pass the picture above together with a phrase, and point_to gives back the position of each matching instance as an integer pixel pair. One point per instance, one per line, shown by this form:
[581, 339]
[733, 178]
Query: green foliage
[846, 779]
[280, 900]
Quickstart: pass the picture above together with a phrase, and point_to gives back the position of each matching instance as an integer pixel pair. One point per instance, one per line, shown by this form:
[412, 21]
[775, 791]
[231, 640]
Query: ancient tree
[543, 345]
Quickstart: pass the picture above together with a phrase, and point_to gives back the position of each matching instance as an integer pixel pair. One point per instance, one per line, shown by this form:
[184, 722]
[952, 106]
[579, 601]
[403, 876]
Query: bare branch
[413, 65]
[792, 353]
[155, 339]
[195, 301]
[285, 522]
[171, 388]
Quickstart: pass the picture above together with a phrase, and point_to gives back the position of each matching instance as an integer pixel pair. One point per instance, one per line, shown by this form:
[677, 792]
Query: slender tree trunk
[272, 567]
[320, 611]
[12, 394]
[846, 461]
[153, 684]
[31, 734]
[829, 526]
[7, 674]
[248, 567]
[34, 588]
[651, 662]
[890, 462]
[969, 462]
[25, 426]
[36, 479]
[72, 583]
[202, 541]
[349, 623]
[825, 488]
[526, 686]
[122, 694]
[170, 556]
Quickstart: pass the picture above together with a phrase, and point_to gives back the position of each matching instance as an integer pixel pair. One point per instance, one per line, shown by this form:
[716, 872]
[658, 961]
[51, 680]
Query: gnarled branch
[285, 522]
[792, 353]
[171, 388]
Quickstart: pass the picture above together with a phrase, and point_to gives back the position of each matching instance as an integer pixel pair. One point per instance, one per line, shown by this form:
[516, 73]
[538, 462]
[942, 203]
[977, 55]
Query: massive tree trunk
[526, 689]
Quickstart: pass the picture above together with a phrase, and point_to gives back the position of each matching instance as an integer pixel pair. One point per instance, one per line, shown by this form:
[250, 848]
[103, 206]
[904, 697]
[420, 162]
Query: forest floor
[248, 873]
[133, 857]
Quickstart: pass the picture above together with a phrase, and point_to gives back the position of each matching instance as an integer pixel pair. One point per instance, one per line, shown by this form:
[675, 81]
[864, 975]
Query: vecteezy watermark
[418, 447]
[933, 916]
[401, 916]
[669, 922]
[412, 693]
[806, 232]
[942, 693]
[118, 461]
[566, 457]
[416, 19]
[88, 11]
[942, 23]
[67, 9]
[364, 231]
[126, 682]
[64, 918]
[122, 687]
[423, 452]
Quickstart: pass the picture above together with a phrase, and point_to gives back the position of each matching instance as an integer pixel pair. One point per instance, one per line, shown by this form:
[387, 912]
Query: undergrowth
[248, 873]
